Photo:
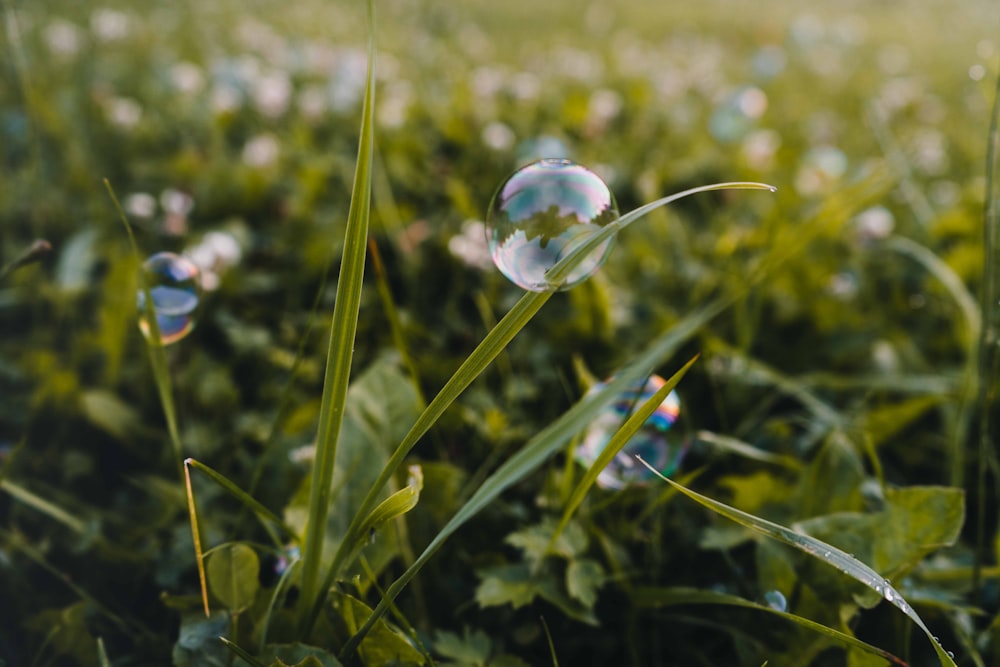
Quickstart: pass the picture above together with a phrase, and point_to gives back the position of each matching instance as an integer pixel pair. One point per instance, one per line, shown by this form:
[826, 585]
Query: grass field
[842, 394]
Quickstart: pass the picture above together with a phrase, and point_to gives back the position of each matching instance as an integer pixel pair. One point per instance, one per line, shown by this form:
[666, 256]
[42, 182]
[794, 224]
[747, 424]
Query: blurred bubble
[540, 214]
[977, 72]
[652, 442]
[174, 286]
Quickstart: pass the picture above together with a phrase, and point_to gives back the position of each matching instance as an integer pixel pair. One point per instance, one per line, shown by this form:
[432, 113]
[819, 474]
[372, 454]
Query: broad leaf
[233, 571]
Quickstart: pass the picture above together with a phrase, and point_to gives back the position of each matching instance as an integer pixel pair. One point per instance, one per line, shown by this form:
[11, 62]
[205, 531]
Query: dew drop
[652, 442]
[540, 214]
[174, 285]
[951, 654]
[775, 600]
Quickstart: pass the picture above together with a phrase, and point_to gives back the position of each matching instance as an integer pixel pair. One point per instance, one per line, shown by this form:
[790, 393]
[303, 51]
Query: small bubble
[173, 282]
[541, 213]
[651, 442]
[775, 600]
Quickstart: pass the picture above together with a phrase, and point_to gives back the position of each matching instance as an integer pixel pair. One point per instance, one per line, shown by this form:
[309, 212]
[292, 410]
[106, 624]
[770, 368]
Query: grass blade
[544, 445]
[829, 554]
[44, 506]
[620, 438]
[659, 597]
[490, 347]
[266, 516]
[157, 353]
[341, 349]
[199, 555]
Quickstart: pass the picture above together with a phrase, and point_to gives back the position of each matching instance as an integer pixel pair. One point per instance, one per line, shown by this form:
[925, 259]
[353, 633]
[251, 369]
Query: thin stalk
[199, 556]
[154, 345]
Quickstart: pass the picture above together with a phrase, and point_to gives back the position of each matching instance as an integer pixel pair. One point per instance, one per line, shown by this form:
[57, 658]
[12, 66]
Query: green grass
[417, 503]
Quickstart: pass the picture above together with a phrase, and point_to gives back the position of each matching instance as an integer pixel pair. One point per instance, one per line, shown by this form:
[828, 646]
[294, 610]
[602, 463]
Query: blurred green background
[229, 132]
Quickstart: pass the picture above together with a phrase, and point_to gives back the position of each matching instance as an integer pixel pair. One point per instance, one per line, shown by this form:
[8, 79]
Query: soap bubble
[541, 213]
[174, 285]
[652, 442]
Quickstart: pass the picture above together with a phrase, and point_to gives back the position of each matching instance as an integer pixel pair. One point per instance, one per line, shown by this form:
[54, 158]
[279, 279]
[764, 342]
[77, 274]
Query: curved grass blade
[670, 596]
[558, 274]
[490, 347]
[341, 349]
[199, 555]
[49, 509]
[545, 444]
[618, 440]
[830, 554]
[748, 451]
[157, 353]
[266, 516]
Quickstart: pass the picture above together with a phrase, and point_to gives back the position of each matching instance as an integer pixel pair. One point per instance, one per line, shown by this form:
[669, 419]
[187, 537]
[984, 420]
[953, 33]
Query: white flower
[63, 38]
[109, 25]
[261, 151]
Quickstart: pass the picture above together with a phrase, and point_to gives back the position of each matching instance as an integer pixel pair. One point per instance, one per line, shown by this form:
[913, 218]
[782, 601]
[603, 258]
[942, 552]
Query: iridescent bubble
[541, 213]
[652, 442]
[175, 287]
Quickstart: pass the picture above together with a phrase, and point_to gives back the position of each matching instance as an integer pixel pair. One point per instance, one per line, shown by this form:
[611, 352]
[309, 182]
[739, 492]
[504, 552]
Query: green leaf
[384, 645]
[233, 571]
[914, 522]
[583, 579]
[830, 554]
[507, 584]
[883, 422]
[340, 352]
[541, 539]
[473, 648]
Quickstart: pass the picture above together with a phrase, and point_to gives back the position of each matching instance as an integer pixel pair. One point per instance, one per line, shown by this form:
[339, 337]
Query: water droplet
[951, 654]
[651, 442]
[174, 285]
[775, 600]
[540, 214]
